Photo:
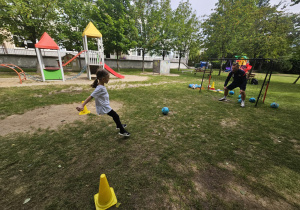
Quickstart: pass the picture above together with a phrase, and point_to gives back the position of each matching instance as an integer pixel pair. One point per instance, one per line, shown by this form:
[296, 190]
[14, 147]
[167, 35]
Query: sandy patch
[81, 80]
[156, 74]
[51, 117]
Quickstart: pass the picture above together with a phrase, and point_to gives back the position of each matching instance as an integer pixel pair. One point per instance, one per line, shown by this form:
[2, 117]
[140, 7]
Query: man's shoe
[124, 126]
[222, 99]
[125, 133]
[243, 104]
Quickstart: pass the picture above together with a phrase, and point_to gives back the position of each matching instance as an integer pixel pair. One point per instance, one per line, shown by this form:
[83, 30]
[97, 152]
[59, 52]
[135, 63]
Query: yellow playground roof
[91, 31]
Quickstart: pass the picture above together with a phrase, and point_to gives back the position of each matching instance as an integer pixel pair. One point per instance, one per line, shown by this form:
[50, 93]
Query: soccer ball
[231, 92]
[165, 110]
[274, 105]
[252, 100]
[239, 100]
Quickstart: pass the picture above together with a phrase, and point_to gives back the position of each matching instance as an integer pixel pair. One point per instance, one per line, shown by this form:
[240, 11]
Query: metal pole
[262, 88]
[268, 82]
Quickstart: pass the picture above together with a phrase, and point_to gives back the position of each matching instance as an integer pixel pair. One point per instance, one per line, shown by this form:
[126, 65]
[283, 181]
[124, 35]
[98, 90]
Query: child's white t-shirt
[101, 97]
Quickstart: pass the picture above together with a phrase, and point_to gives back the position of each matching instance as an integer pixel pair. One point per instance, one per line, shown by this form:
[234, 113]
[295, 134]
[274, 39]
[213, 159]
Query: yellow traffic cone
[213, 86]
[84, 111]
[106, 196]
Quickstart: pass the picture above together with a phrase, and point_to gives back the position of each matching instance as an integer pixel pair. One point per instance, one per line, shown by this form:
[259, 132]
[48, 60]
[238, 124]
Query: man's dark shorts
[235, 85]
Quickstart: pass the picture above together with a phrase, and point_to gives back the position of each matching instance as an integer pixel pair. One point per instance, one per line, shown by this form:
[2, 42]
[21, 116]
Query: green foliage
[116, 25]
[147, 23]
[163, 43]
[29, 19]
[75, 16]
[248, 27]
[185, 29]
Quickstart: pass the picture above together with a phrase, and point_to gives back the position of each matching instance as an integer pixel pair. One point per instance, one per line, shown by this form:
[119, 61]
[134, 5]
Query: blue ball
[191, 85]
[252, 100]
[165, 110]
[240, 100]
[231, 92]
[274, 105]
[240, 96]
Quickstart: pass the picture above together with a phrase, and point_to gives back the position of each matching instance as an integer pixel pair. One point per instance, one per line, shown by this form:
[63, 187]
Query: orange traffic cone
[106, 196]
[84, 111]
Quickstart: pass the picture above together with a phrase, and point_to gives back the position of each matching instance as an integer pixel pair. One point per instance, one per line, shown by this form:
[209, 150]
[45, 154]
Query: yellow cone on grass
[84, 111]
[106, 196]
[212, 86]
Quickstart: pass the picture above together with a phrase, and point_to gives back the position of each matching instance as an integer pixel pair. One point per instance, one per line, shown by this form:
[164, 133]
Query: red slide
[113, 72]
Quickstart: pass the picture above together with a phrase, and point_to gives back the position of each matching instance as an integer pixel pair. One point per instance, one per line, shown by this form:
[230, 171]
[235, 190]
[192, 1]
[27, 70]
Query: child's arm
[81, 106]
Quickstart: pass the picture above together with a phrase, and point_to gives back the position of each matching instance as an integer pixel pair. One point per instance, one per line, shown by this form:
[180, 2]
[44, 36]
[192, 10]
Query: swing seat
[52, 68]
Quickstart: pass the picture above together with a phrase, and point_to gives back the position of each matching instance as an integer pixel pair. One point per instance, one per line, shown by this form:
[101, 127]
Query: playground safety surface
[81, 80]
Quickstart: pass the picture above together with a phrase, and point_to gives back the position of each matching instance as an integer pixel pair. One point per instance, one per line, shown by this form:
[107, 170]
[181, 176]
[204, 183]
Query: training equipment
[165, 110]
[240, 96]
[239, 100]
[274, 105]
[84, 111]
[231, 92]
[191, 85]
[252, 100]
[106, 196]
[212, 86]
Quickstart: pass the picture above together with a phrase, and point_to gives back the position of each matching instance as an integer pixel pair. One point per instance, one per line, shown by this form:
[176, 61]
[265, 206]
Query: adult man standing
[239, 80]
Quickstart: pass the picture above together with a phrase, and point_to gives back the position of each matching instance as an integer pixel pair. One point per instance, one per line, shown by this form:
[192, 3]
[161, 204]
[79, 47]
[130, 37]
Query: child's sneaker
[222, 99]
[125, 133]
[124, 126]
[243, 104]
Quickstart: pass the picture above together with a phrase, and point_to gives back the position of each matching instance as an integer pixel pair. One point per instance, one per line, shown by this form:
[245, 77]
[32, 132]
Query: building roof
[46, 42]
[91, 31]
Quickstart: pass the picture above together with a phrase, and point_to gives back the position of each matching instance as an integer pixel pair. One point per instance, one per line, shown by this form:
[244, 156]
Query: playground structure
[95, 59]
[49, 73]
[16, 69]
[265, 84]
[241, 60]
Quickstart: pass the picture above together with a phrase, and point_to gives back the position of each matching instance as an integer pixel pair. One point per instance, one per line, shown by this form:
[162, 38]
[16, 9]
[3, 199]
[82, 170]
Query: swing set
[264, 87]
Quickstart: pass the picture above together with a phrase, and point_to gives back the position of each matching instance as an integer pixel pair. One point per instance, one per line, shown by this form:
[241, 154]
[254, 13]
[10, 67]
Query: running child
[102, 100]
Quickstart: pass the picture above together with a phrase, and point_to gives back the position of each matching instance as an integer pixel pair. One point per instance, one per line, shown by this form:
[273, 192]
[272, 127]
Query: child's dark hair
[101, 73]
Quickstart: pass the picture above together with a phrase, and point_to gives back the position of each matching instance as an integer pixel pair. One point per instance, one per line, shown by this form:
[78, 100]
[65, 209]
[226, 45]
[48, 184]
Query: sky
[204, 7]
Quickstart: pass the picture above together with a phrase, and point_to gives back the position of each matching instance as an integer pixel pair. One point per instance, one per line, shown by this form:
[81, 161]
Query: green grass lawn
[204, 154]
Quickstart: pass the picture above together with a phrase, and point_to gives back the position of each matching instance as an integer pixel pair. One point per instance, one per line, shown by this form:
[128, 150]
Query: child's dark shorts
[235, 85]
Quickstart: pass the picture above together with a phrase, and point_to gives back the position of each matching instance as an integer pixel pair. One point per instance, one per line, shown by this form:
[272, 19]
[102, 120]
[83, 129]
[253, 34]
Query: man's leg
[243, 94]
[226, 90]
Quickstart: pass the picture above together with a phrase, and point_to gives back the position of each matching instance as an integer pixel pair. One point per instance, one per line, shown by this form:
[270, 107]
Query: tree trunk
[163, 55]
[220, 68]
[296, 80]
[143, 54]
[118, 61]
[179, 60]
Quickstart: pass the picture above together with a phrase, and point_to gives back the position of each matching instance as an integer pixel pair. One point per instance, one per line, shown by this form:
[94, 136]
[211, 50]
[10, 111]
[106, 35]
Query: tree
[116, 25]
[146, 21]
[29, 19]
[163, 43]
[75, 16]
[249, 27]
[295, 2]
[185, 29]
